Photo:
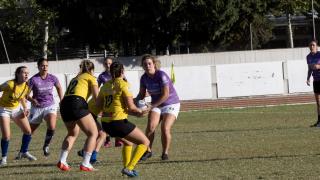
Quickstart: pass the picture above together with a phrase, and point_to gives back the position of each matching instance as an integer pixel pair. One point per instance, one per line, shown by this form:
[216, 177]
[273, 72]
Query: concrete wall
[234, 57]
[209, 75]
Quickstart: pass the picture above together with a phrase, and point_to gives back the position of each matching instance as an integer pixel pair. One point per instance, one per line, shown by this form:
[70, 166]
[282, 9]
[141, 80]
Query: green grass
[250, 143]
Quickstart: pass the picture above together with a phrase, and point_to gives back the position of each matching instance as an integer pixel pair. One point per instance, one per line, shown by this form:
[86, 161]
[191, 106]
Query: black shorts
[316, 87]
[118, 128]
[73, 108]
[95, 117]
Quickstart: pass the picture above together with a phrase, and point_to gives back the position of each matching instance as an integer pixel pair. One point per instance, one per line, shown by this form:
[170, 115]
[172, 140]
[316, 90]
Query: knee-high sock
[86, 158]
[63, 156]
[126, 155]
[49, 136]
[26, 138]
[4, 147]
[139, 151]
[94, 155]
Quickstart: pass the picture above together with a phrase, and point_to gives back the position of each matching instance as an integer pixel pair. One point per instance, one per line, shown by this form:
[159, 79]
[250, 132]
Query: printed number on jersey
[72, 86]
[108, 100]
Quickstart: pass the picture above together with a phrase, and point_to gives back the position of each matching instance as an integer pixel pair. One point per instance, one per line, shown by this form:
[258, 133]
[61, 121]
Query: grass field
[250, 143]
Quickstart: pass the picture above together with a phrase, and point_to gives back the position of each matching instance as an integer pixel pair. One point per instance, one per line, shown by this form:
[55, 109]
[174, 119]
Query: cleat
[129, 173]
[19, 156]
[135, 173]
[317, 124]
[46, 151]
[164, 157]
[146, 155]
[25, 155]
[80, 153]
[118, 143]
[3, 161]
[86, 168]
[93, 161]
[63, 167]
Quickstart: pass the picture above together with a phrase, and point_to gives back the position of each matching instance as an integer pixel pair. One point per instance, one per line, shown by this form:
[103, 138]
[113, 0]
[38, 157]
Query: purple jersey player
[42, 102]
[105, 76]
[313, 61]
[42, 89]
[165, 103]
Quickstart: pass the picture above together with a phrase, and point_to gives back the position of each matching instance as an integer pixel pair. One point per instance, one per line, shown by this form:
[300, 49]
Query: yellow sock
[140, 149]
[126, 155]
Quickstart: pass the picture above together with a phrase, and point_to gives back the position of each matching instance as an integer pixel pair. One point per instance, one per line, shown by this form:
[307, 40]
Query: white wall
[192, 82]
[207, 75]
[249, 79]
[297, 77]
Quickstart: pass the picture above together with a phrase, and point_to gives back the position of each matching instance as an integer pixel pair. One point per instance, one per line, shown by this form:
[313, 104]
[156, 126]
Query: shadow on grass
[245, 130]
[102, 163]
[232, 158]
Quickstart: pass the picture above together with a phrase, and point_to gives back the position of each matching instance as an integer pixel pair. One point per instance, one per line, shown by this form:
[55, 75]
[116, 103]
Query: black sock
[49, 136]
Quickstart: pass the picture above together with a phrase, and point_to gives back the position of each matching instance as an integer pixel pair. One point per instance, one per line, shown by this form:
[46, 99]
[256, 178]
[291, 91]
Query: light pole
[313, 25]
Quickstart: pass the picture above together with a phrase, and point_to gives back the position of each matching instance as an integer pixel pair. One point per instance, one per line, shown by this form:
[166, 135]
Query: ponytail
[116, 69]
[86, 66]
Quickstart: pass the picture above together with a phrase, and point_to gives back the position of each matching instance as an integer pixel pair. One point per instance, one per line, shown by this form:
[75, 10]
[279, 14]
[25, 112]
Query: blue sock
[25, 143]
[4, 147]
[94, 156]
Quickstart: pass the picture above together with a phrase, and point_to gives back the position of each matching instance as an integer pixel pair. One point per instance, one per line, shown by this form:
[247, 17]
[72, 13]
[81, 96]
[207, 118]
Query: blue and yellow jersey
[114, 106]
[12, 94]
[81, 86]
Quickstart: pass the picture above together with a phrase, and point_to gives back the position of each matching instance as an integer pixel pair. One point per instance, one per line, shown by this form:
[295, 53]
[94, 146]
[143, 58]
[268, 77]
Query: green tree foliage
[132, 27]
[22, 25]
[138, 27]
[236, 34]
[290, 8]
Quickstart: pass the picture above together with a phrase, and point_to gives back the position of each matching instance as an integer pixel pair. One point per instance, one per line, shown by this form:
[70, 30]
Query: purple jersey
[103, 78]
[155, 84]
[314, 59]
[42, 89]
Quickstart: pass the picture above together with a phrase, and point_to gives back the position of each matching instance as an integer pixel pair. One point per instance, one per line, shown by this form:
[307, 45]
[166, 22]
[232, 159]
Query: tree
[290, 8]
[22, 23]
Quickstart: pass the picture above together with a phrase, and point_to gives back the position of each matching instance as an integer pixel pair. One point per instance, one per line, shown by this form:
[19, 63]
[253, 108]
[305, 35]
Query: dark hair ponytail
[116, 69]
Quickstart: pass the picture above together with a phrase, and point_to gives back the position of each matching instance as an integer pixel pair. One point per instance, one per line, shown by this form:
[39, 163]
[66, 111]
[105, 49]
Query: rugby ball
[141, 104]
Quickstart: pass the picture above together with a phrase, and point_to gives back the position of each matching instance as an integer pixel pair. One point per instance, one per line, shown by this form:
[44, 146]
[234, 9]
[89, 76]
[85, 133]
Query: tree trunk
[290, 30]
[46, 37]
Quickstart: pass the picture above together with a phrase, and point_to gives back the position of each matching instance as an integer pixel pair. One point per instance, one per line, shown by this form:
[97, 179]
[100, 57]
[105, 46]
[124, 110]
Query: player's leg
[51, 120]
[22, 121]
[73, 132]
[169, 115]
[88, 126]
[35, 118]
[317, 98]
[166, 125]
[100, 140]
[153, 122]
[5, 132]
[316, 90]
[137, 137]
